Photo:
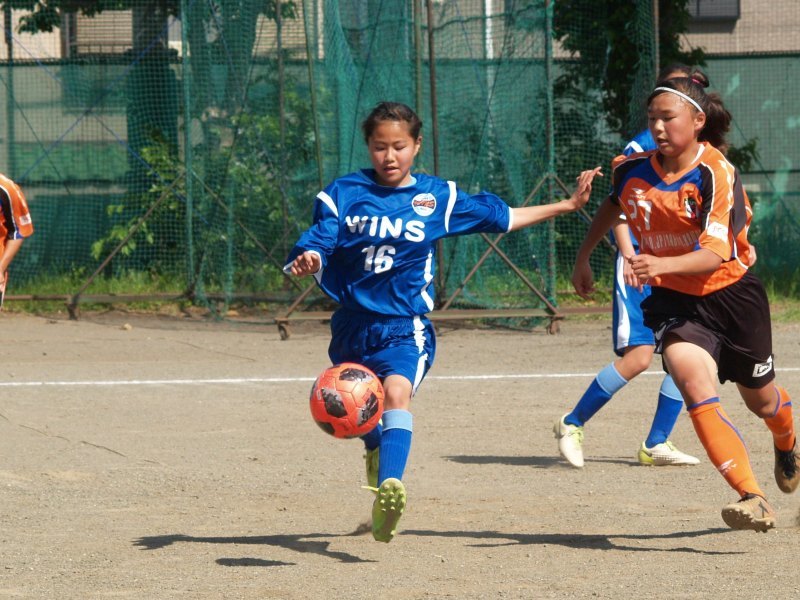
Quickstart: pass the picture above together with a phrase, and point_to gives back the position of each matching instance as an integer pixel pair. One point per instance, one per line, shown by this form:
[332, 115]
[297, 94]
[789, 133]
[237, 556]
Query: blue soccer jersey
[377, 244]
[641, 142]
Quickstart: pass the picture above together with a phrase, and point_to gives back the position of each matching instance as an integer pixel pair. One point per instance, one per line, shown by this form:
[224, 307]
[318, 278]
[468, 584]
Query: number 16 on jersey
[378, 260]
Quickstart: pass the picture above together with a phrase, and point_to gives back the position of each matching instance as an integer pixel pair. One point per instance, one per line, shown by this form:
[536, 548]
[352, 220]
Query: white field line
[249, 380]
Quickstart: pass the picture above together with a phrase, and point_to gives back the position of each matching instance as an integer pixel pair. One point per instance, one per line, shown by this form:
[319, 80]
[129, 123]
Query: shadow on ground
[308, 543]
[579, 541]
[539, 462]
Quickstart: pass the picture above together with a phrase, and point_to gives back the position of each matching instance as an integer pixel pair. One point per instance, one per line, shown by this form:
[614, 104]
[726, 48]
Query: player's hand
[583, 279]
[645, 267]
[628, 276]
[306, 264]
[584, 188]
[752, 258]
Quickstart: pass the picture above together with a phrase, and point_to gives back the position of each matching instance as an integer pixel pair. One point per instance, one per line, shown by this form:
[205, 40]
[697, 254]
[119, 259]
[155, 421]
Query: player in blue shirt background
[633, 343]
[372, 248]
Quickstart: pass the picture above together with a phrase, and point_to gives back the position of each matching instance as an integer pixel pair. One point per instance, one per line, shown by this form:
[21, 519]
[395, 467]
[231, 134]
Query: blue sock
[607, 383]
[373, 439]
[668, 410]
[395, 444]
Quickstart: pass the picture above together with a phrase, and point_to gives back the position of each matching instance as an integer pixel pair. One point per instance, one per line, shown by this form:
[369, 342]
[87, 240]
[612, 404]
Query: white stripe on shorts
[624, 322]
[419, 337]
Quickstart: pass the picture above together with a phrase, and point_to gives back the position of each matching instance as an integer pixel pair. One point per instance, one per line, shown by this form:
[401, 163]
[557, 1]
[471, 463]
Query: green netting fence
[187, 159]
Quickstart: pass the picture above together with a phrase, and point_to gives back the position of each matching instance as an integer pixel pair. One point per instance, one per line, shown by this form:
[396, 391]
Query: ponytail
[718, 123]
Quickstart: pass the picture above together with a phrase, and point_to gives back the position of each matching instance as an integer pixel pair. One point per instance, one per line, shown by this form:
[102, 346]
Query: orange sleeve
[17, 216]
[717, 195]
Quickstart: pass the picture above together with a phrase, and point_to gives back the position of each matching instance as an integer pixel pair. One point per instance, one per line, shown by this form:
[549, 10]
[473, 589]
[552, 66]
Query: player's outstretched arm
[308, 263]
[605, 218]
[530, 215]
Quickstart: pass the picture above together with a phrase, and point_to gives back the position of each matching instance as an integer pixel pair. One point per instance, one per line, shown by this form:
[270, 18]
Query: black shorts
[731, 324]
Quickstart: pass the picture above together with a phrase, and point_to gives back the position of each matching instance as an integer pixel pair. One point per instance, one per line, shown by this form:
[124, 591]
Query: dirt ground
[161, 457]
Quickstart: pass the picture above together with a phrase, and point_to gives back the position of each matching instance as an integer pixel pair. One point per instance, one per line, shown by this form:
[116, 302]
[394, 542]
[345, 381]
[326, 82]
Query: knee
[636, 361]
[762, 412]
[639, 363]
[694, 392]
[396, 397]
[762, 405]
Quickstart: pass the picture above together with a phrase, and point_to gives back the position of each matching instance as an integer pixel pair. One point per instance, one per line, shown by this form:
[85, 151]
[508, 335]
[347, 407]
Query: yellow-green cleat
[387, 509]
[664, 454]
[372, 458]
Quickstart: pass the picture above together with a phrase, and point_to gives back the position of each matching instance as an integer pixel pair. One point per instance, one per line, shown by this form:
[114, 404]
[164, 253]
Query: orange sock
[724, 446]
[781, 423]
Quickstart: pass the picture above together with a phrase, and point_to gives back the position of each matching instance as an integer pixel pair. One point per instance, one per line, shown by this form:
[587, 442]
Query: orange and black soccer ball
[347, 400]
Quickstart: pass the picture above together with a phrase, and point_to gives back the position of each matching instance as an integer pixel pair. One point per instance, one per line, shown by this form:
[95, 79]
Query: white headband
[682, 95]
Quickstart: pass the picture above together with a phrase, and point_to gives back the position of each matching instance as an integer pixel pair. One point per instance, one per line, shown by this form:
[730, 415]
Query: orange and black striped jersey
[703, 206]
[15, 218]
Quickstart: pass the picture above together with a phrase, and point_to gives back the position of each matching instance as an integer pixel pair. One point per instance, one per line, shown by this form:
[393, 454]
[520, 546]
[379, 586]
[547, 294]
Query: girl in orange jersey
[15, 226]
[632, 342]
[685, 203]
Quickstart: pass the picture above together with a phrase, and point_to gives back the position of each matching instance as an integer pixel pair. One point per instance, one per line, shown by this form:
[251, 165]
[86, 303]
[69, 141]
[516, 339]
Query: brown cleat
[787, 469]
[751, 512]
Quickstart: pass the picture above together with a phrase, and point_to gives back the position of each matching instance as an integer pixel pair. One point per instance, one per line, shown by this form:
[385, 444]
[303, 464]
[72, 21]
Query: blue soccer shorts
[387, 345]
[628, 327]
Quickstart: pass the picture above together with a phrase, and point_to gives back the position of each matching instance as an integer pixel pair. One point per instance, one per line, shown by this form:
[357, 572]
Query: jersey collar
[369, 175]
[676, 176]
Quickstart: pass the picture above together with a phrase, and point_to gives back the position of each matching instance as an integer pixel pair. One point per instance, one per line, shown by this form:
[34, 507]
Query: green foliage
[611, 37]
[599, 96]
[745, 156]
[45, 15]
[673, 23]
[774, 233]
[156, 234]
[241, 191]
[784, 297]
[52, 291]
[288, 9]
[244, 154]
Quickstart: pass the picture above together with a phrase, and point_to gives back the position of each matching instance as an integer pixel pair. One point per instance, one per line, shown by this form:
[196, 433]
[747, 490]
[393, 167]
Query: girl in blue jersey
[371, 248]
[633, 343]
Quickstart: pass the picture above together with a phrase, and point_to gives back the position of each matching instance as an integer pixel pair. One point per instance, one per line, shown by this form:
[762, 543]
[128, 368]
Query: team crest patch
[688, 195]
[690, 208]
[424, 204]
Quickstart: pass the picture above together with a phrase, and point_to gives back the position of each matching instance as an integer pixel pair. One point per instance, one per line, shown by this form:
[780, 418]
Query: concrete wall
[763, 26]
[26, 46]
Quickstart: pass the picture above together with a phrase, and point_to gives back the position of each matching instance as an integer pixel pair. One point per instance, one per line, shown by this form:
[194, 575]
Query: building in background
[741, 27]
[753, 60]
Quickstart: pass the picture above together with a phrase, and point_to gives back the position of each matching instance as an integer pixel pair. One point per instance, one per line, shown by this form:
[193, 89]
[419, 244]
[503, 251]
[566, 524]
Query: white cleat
[663, 455]
[570, 442]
